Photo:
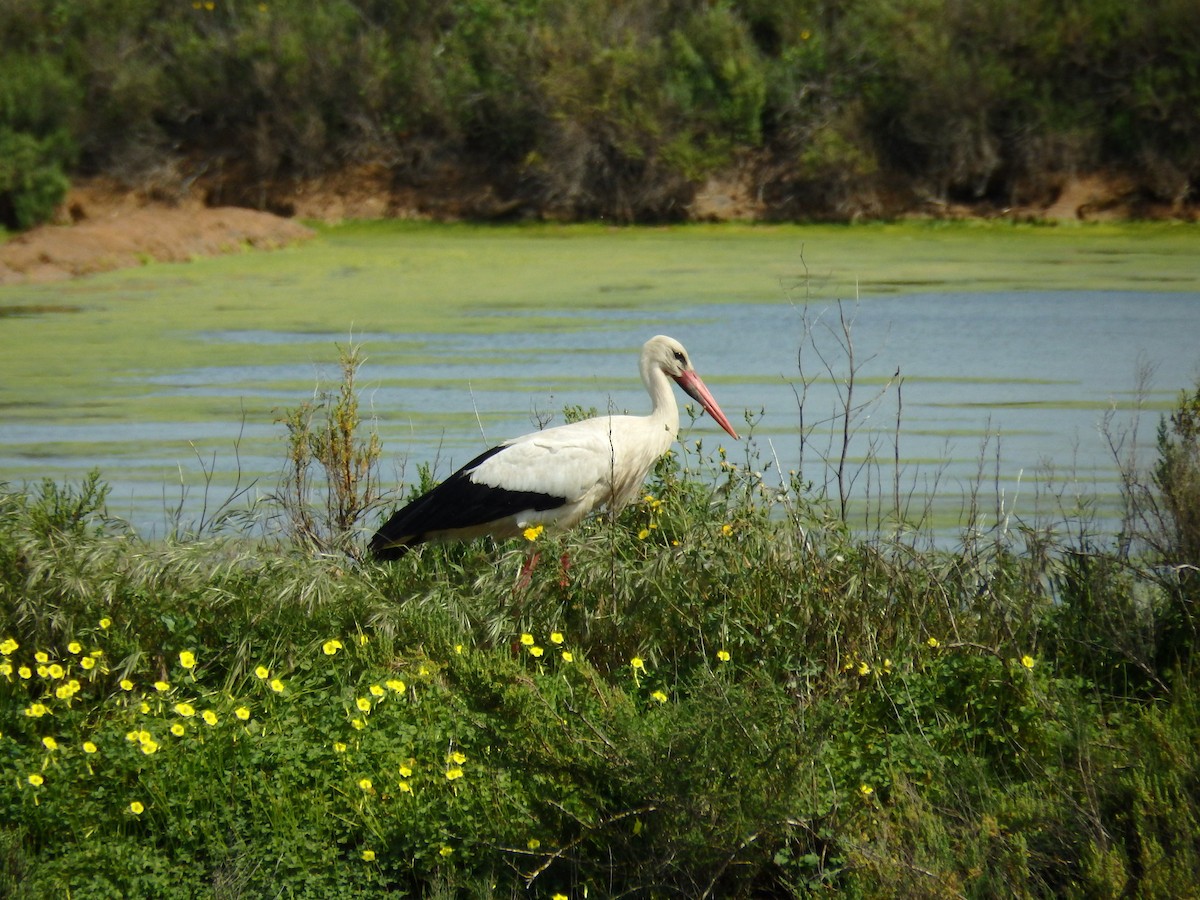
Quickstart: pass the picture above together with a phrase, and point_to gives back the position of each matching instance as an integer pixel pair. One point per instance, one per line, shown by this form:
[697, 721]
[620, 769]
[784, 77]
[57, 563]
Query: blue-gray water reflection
[1033, 372]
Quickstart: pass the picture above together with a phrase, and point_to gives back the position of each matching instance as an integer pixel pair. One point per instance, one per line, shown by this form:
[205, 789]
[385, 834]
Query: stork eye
[680, 358]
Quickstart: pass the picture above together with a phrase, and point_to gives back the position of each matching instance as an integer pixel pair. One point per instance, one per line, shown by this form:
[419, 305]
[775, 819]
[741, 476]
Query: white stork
[559, 475]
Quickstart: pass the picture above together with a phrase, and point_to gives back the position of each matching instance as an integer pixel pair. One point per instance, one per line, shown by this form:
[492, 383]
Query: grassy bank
[723, 693]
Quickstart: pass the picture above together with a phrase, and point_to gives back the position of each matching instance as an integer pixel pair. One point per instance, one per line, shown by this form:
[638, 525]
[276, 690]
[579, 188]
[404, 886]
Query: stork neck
[663, 407]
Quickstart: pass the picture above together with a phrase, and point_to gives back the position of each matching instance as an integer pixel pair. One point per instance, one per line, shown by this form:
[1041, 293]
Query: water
[1023, 379]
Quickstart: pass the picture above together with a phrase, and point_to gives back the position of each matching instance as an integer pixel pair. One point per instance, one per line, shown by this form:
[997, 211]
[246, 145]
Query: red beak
[694, 387]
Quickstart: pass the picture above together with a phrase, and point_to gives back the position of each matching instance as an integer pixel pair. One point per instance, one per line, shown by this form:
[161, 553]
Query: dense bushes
[723, 693]
[590, 109]
[39, 107]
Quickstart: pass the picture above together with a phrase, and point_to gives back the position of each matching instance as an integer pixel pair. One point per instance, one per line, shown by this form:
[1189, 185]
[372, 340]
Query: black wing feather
[456, 503]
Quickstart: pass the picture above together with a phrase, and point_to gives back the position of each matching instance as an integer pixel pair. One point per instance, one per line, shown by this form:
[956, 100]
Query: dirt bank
[104, 228]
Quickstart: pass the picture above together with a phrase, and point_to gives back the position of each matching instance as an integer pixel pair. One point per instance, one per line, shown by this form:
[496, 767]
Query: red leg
[526, 573]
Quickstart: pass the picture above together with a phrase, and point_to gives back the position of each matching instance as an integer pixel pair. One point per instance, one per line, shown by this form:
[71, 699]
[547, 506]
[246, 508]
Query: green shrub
[38, 102]
[1177, 477]
[329, 481]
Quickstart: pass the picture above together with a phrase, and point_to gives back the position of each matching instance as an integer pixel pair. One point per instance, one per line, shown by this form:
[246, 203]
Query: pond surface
[173, 377]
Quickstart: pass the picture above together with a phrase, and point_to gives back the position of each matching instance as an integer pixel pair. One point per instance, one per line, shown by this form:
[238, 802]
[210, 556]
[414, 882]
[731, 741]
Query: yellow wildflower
[358, 724]
[1027, 661]
[453, 773]
[49, 743]
[24, 672]
[209, 717]
[533, 532]
[89, 747]
[187, 659]
[36, 780]
[74, 647]
[405, 787]
[136, 808]
[368, 855]
[726, 530]
[277, 685]
[339, 747]
[331, 647]
[446, 851]
[866, 790]
[242, 712]
[376, 690]
[643, 534]
[933, 643]
[178, 730]
[863, 668]
[405, 771]
[458, 757]
[556, 637]
[37, 710]
[56, 671]
[42, 657]
[363, 704]
[536, 651]
[533, 844]
[527, 640]
[568, 656]
[262, 672]
[105, 622]
[365, 784]
[395, 684]
[185, 709]
[149, 747]
[8, 647]
[161, 686]
[659, 696]
[126, 684]
[723, 656]
[638, 664]
[88, 663]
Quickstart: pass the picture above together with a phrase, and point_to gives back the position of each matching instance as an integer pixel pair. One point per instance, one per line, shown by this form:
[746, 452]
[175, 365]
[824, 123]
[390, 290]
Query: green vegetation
[425, 279]
[326, 458]
[724, 692]
[588, 109]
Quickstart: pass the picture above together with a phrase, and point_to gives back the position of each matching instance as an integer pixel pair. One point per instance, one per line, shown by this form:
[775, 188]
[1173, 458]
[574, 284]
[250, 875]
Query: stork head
[668, 356]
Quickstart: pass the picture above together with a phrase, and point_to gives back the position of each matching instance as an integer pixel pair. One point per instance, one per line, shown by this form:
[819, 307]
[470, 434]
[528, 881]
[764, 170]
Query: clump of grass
[330, 481]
